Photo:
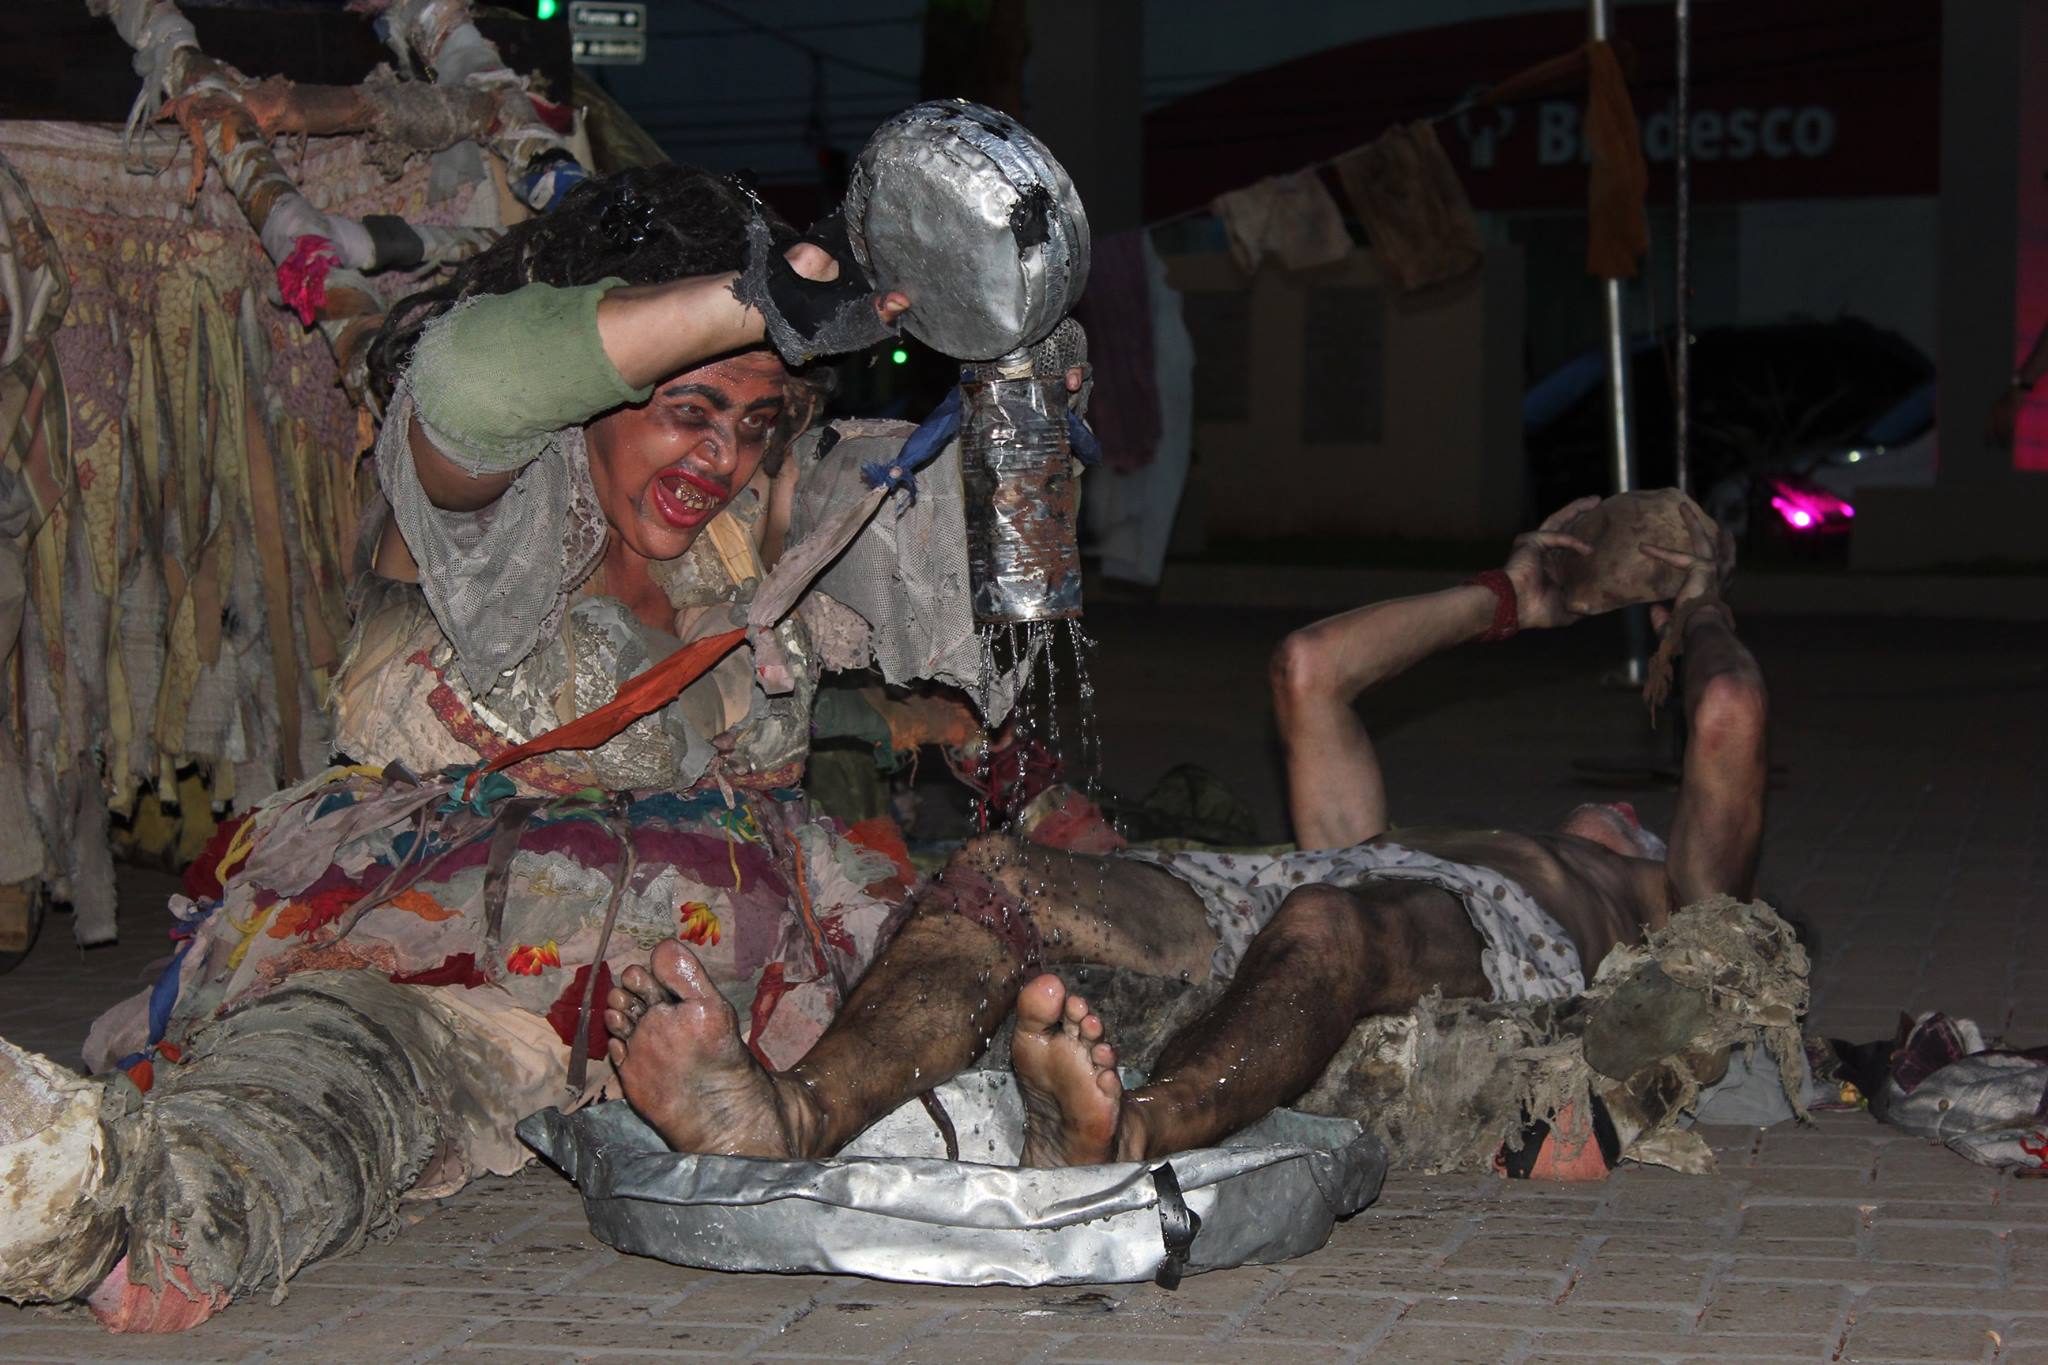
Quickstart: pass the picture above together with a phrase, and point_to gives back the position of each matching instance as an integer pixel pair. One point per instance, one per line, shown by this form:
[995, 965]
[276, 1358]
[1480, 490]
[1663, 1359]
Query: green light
[546, 9]
[899, 356]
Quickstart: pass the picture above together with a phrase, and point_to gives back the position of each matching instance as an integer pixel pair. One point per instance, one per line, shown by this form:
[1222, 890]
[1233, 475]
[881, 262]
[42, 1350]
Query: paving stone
[306, 1310]
[1900, 1335]
[1300, 1316]
[1937, 1276]
[93, 1344]
[1222, 1291]
[1447, 1345]
[1125, 1351]
[1769, 1184]
[1178, 1320]
[1674, 1284]
[1544, 1253]
[1806, 1269]
[1813, 1348]
[2026, 1308]
[1528, 1286]
[1893, 1240]
[1400, 1232]
[1746, 1307]
[1641, 1241]
[597, 1333]
[759, 1299]
[1799, 1221]
[385, 1336]
[951, 1348]
[1567, 1316]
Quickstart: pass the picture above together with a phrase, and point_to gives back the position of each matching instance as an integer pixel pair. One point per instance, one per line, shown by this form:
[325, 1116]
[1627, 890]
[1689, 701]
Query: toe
[1077, 1009]
[1103, 1055]
[1040, 1002]
[641, 983]
[1090, 1028]
[677, 969]
[616, 1051]
[618, 1024]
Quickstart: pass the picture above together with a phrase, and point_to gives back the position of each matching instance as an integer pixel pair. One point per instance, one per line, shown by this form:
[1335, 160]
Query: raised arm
[1718, 830]
[1336, 795]
[495, 377]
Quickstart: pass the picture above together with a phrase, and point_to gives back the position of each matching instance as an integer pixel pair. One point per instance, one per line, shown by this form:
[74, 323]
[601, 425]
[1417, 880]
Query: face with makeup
[664, 468]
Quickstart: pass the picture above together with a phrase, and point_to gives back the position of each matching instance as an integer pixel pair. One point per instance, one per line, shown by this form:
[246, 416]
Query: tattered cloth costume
[448, 949]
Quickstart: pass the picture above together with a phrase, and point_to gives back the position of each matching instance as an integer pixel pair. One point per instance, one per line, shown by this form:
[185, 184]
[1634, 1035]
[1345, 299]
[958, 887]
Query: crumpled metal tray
[892, 1207]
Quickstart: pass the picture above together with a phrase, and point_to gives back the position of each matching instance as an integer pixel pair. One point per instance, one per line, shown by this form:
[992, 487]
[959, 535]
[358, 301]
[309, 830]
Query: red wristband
[1507, 607]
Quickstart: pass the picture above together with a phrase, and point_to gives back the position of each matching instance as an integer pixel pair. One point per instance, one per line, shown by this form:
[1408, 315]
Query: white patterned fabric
[1526, 954]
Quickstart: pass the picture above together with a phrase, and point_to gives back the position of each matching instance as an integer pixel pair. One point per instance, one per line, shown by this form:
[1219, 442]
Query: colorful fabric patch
[531, 960]
[699, 923]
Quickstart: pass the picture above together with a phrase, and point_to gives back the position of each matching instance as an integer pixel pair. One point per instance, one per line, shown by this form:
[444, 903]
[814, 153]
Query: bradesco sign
[1778, 133]
[1791, 99]
[1784, 105]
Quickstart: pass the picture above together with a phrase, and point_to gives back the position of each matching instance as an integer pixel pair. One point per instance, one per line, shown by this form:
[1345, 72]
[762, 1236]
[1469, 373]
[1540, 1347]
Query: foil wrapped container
[958, 206]
[1017, 474]
[891, 1206]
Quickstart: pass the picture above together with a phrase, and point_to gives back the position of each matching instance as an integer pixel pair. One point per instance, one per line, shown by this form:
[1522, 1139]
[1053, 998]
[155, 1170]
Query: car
[1790, 418]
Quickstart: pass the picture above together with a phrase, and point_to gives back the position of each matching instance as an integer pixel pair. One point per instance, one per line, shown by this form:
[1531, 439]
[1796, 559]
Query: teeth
[689, 495]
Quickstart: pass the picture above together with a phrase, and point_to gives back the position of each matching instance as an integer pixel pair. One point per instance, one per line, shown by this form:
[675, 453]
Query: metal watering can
[959, 207]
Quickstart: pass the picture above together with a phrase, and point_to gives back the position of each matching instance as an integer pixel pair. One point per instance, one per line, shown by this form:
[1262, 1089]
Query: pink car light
[1809, 508]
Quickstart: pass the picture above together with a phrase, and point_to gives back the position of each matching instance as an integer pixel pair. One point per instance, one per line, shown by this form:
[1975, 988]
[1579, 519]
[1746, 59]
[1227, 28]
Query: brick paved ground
[1908, 829]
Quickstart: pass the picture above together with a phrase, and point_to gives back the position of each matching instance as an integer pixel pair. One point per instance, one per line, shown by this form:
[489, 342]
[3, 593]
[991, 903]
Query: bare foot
[677, 1050]
[1067, 1076]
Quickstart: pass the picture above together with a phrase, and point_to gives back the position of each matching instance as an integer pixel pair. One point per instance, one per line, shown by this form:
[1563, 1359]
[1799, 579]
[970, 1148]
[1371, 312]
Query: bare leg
[924, 1011]
[1329, 958]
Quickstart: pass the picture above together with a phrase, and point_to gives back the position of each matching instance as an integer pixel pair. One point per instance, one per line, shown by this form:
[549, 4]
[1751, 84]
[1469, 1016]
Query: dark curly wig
[646, 225]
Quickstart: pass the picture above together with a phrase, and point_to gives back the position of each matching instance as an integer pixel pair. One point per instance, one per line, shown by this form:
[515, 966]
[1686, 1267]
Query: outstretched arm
[1718, 831]
[1336, 795]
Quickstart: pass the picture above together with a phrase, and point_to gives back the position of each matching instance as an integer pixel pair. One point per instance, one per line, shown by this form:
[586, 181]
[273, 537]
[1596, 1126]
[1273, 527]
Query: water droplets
[1040, 668]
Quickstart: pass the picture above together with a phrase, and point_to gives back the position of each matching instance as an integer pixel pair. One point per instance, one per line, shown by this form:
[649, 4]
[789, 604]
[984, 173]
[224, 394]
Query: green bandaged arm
[494, 377]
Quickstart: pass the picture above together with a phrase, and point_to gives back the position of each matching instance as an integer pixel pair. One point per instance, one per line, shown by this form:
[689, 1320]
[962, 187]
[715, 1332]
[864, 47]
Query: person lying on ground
[1359, 922]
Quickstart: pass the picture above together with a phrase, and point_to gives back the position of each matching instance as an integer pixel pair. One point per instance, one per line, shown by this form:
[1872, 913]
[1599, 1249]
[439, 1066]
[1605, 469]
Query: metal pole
[1681, 310]
[1620, 450]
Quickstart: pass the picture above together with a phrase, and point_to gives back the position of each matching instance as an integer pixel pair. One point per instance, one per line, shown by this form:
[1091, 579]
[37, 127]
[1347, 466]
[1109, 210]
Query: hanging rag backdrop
[195, 473]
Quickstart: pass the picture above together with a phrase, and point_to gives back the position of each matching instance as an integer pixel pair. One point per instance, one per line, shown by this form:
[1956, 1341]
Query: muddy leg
[926, 1009]
[923, 1012]
[1329, 958]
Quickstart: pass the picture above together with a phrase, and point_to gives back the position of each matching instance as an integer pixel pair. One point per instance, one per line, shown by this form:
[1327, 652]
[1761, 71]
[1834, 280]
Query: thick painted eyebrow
[718, 398]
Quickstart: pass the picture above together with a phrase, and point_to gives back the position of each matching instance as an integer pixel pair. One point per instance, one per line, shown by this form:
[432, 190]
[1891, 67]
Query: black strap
[1178, 1225]
[394, 244]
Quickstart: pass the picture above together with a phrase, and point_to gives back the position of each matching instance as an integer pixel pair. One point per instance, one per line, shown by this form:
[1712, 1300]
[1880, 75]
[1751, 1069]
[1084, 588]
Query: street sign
[608, 49]
[608, 16]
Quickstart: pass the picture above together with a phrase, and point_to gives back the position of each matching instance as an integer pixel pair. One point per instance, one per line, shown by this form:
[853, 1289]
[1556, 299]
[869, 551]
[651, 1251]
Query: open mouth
[685, 500]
